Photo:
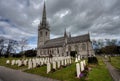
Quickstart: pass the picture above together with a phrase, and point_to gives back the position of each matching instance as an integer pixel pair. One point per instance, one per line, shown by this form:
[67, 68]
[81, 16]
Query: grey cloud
[98, 16]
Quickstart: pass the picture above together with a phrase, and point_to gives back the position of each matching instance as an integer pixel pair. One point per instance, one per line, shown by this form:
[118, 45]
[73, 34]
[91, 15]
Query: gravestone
[19, 63]
[34, 63]
[84, 63]
[13, 62]
[78, 69]
[48, 67]
[62, 62]
[79, 57]
[8, 62]
[82, 66]
[58, 64]
[25, 62]
[70, 61]
[54, 65]
[76, 60]
[16, 62]
[65, 62]
[29, 64]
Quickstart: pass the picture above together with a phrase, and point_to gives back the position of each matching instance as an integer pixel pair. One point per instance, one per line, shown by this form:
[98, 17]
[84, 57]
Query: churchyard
[115, 61]
[61, 68]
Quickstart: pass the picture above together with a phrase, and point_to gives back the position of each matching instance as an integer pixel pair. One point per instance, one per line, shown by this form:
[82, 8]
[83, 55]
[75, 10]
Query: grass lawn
[3, 63]
[98, 73]
[115, 61]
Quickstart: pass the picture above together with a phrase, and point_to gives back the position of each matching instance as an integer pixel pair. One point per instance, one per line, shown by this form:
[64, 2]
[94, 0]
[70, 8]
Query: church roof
[59, 42]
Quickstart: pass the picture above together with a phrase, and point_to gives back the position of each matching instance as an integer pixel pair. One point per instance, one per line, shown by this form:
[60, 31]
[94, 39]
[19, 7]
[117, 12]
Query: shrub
[92, 60]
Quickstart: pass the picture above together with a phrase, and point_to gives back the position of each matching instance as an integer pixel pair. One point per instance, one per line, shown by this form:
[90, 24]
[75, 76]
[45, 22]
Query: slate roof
[59, 42]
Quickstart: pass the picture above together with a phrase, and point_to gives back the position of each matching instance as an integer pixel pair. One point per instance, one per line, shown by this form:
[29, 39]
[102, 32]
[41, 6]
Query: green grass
[3, 63]
[98, 73]
[64, 74]
[115, 61]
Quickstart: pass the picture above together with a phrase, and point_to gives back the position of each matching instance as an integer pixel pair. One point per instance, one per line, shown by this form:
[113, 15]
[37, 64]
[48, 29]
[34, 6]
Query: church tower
[43, 29]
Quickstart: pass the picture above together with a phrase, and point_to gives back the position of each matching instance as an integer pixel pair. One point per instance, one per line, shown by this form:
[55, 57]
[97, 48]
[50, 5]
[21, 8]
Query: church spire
[65, 33]
[44, 24]
[44, 18]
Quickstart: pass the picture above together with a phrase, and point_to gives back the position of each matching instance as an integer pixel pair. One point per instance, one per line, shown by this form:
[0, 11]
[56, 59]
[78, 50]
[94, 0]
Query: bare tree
[1, 46]
[110, 42]
[23, 43]
[11, 47]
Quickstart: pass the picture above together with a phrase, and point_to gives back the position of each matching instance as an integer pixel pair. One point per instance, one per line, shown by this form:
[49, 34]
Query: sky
[20, 18]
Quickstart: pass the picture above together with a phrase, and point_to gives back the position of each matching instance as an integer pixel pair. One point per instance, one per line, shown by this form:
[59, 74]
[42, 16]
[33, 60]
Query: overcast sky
[20, 18]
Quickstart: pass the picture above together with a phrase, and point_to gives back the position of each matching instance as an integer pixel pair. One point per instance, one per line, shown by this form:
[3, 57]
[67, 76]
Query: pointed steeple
[65, 33]
[44, 18]
[44, 24]
[89, 35]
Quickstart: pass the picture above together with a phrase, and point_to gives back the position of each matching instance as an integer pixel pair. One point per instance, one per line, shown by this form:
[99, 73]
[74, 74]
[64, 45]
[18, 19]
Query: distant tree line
[106, 46]
[9, 47]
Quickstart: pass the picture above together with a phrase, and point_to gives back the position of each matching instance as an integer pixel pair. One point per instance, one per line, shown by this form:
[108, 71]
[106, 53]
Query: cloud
[20, 18]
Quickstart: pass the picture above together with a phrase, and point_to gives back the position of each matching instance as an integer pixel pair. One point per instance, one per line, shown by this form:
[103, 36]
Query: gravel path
[113, 71]
[7, 74]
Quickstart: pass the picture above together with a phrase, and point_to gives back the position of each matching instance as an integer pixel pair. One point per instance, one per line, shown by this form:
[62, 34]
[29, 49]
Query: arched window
[46, 33]
[41, 33]
[83, 47]
[58, 50]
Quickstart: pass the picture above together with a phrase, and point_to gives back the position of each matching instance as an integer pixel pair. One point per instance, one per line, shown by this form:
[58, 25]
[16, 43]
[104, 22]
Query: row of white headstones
[80, 66]
[52, 63]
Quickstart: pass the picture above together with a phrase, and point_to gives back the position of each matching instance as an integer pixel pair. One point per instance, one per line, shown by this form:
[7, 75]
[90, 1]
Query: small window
[58, 50]
[41, 33]
[46, 33]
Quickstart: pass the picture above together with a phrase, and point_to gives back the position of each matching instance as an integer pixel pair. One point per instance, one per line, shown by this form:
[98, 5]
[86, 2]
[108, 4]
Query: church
[62, 46]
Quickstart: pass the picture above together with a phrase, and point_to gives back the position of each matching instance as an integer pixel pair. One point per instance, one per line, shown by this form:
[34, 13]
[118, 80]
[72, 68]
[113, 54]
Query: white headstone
[58, 64]
[65, 62]
[76, 60]
[25, 62]
[84, 63]
[54, 65]
[19, 63]
[48, 67]
[70, 61]
[82, 66]
[16, 62]
[42, 63]
[29, 64]
[34, 63]
[7, 61]
[13, 62]
[78, 69]
[62, 62]
[78, 57]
